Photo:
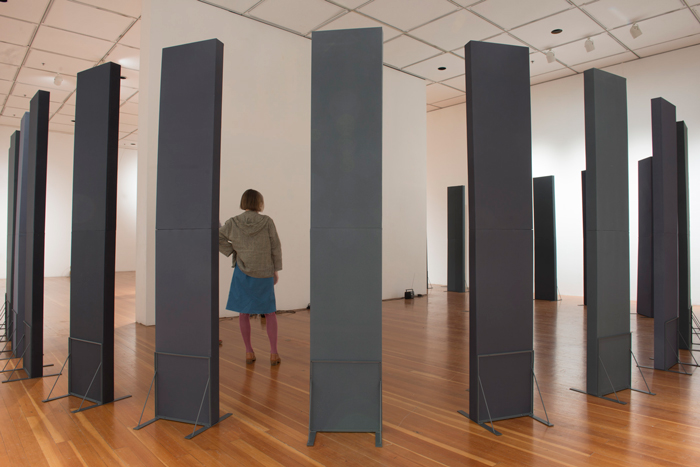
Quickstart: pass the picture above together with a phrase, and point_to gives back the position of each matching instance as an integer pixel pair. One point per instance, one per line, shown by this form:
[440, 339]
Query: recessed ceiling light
[122, 77]
[442, 68]
[557, 31]
[73, 121]
[133, 144]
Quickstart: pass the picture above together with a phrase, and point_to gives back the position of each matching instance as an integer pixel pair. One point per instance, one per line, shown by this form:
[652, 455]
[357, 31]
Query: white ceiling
[422, 35]
[40, 38]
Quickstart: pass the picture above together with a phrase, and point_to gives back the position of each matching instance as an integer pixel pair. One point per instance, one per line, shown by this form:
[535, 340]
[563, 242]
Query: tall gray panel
[607, 236]
[346, 231]
[456, 239]
[12, 165]
[645, 250]
[583, 205]
[665, 206]
[19, 342]
[36, 221]
[685, 305]
[93, 241]
[545, 238]
[187, 219]
[500, 231]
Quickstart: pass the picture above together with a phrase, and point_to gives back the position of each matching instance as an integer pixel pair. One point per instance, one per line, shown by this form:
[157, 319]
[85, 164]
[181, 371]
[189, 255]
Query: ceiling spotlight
[635, 31]
[550, 57]
[442, 68]
[589, 45]
[58, 79]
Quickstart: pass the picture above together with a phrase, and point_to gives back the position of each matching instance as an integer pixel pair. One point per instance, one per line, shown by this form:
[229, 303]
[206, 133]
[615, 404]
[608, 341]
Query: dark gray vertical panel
[665, 206]
[36, 221]
[187, 219]
[456, 239]
[12, 165]
[645, 250]
[685, 305]
[583, 205]
[545, 238]
[346, 231]
[500, 230]
[607, 236]
[94, 225]
[19, 342]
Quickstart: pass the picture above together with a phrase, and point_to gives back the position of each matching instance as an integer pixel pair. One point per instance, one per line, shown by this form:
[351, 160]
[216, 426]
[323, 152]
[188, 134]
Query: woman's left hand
[277, 277]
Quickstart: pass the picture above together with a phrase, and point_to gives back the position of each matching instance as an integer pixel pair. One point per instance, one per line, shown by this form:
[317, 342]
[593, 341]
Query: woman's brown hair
[252, 200]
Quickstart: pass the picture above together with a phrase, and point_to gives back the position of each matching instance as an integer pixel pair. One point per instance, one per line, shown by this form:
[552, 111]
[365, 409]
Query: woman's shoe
[275, 359]
[249, 357]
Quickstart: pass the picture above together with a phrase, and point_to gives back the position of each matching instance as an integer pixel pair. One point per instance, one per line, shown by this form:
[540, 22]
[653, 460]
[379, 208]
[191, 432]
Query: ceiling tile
[450, 102]
[438, 92]
[574, 24]
[29, 90]
[429, 68]
[124, 94]
[301, 15]
[668, 46]
[61, 128]
[129, 108]
[467, 2]
[13, 112]
[407, 14]
[127, 128]
[9, 121]
[430, 108]
[18, 102]
[5, 86]
[458, 82]
[15, 31]
[239, 6]
[614, 13]
[132, 79]
[12, 54]
[51, 62]
[507, 39]
[404, 51]
[551, 76]
[27, 10]
[352, 4]
[68, 43]
[87, 20]
[127, 7]
[128, 119]
[575, 52]
[455, 30]
[63, 119]
[459, 51]
[133, 137]
[354, 20]
[660, 29]
[127, 57]
[8, 72]
[67, 109]
[44, 80]
[605, 62]
[133, 37]
[539, 64]
[509, 14]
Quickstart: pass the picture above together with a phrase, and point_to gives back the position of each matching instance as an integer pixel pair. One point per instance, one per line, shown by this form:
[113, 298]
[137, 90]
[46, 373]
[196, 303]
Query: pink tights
[244, 323]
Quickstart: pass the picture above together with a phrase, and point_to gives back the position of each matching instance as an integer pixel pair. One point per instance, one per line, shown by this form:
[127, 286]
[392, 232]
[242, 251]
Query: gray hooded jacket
[251, 239]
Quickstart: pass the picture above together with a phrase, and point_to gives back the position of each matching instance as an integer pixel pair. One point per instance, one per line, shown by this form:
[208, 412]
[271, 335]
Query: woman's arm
[275, 247]
[225, 247]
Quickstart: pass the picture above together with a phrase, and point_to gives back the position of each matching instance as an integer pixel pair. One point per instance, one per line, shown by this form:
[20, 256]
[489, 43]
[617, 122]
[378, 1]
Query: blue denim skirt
[251, 295]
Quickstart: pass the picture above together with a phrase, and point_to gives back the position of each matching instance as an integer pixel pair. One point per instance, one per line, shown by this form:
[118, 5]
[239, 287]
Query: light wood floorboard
[426, 375]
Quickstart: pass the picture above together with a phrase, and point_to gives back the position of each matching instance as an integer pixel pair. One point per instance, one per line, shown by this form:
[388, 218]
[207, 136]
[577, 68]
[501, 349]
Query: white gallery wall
[266, 146]
[59, 205]
[558, 147]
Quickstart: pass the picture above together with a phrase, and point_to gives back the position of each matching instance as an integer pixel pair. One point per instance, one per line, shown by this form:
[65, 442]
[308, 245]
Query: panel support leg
[491, 428]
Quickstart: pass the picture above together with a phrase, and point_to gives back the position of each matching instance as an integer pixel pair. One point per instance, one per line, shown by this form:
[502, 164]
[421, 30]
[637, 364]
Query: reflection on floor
[425, 381]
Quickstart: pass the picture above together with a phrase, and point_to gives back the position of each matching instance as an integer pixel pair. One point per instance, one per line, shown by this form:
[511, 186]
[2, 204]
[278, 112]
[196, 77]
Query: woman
[251, 239]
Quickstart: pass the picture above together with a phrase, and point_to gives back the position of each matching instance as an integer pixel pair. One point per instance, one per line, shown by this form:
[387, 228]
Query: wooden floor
[425, 381]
